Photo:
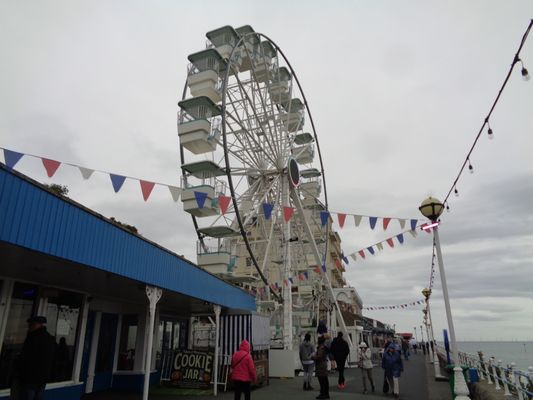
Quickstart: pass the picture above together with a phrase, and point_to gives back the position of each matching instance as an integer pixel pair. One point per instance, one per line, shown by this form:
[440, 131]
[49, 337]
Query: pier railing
[513, 382]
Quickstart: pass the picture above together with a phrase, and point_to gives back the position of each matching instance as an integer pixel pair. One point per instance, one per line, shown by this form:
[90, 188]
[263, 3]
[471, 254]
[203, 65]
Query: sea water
[520, 353]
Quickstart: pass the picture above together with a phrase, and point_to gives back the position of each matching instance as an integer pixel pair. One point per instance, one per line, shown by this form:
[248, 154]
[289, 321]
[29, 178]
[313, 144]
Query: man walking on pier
[393, 366]
[365, 363]
[340, 350]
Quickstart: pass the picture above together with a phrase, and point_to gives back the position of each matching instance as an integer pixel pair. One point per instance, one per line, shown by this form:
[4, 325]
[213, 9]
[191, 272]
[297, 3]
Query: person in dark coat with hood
[393, 366]
[321, 368]
[35, 362]
[243, 370]
[340, 350]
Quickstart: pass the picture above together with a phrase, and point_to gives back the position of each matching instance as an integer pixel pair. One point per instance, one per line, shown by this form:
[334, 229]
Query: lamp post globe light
[432, 208]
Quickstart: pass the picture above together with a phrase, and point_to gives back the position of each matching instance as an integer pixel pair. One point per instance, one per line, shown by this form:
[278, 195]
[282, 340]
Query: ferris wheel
[252, 173]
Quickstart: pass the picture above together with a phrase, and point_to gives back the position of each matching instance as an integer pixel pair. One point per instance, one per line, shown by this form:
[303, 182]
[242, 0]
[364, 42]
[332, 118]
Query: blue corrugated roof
[32, 217]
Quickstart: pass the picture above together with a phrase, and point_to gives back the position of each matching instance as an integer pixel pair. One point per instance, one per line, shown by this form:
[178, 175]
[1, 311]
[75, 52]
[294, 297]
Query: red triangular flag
[362, 253]
[146, 188]
[317, 270]
[223, 202]
[390, 242]
[342, 218]
[51, 166]
[338, 263]
[385, 223]
[287, 213]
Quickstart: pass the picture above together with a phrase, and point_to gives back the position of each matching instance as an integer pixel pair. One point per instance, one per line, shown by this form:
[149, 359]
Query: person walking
[242, 371]
[405, 349]
[365, 363]
[35, 362]
[308, 365]
[393, 366]
[321, 329]
[321, 368]
[340, 350]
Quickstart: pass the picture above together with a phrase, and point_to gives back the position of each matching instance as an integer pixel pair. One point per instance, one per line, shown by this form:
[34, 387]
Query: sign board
[192, 369]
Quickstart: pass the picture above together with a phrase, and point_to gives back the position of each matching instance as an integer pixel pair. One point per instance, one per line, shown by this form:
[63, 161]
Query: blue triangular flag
[117, 181]
[200, 198]
[306, 274]
[371, 250]
[267, 210]
[400, 238]
[413, 224]
[290, 279]
[345, 259]
[11, 157]
[324, 215]
[373, 221]
[324, 268]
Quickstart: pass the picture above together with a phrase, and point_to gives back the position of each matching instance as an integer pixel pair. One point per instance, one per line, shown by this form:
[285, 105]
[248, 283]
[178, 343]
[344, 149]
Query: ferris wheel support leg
[287, 291]
[318, 259]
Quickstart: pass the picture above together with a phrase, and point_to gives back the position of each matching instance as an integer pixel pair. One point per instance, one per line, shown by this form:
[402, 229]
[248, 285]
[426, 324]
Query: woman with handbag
[242, 371]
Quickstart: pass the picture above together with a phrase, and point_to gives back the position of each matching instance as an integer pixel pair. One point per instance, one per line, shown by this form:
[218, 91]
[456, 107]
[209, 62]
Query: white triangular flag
[402, 223]
[413, 233]
[86, 172]
[379, 246]
[357, 219]
[354, 257]
[175, 192]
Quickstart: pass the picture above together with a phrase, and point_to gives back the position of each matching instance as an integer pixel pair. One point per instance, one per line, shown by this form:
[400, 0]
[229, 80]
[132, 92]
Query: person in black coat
[35, 362]
[340, 350]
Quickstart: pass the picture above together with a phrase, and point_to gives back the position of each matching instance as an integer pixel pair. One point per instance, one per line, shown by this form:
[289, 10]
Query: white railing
[514, 383]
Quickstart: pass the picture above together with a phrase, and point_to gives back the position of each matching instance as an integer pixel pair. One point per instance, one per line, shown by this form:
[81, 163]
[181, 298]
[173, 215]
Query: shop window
[23, 305]
[63, 314]
[128, 339]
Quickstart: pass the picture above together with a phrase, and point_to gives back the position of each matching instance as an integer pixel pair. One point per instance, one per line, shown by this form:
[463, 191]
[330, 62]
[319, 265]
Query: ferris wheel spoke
[274, 153]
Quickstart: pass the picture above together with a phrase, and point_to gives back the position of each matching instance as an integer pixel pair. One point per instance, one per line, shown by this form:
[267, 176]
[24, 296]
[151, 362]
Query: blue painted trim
[134, 382]
[73, 392]
[33, 217]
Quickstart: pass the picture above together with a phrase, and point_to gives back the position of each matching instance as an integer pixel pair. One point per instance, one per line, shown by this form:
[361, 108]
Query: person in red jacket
[242, 370]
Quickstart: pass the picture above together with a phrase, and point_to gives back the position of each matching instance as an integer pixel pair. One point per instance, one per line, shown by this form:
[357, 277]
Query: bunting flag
[306, 274]
[223, 202]
[117, 181]
[50, 166]
[291, 280]
[402, 223]
[372, 221]
[11, 158]
[267, 210]
[342, 219]
[324, 215]
[390, 242]
[175, 192]
[146, 188]
[395, 306]
[287, 213]
[86, 172]
[200, 198]
[354, 257]
[345, 259]
[386, 222]
[317, 269]
[362, 253]
[338, 263]
[371, 250]
[357, 219]
[301, 276]
[324, 268]
[379, 246]
[414, 222]
[400, 238]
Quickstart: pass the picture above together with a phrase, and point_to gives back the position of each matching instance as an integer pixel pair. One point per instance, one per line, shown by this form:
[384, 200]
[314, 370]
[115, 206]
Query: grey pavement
[416, 383]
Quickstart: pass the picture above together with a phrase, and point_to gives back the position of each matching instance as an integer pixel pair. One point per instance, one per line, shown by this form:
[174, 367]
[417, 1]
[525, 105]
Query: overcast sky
[397, 90]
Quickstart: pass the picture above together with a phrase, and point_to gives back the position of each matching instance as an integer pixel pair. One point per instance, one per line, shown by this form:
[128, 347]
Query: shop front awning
[45, 229]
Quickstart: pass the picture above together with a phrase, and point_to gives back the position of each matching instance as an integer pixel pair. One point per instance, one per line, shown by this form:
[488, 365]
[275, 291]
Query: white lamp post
[433, 346]
[432, 208]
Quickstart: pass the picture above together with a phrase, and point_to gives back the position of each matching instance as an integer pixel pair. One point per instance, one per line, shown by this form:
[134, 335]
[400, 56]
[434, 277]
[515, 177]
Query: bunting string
[12, 157]
[395, 306]
[399, 238]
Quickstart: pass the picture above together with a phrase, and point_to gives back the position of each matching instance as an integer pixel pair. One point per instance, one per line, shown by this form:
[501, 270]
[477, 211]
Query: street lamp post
[416, 338]
[433, 345]
[432, 208]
